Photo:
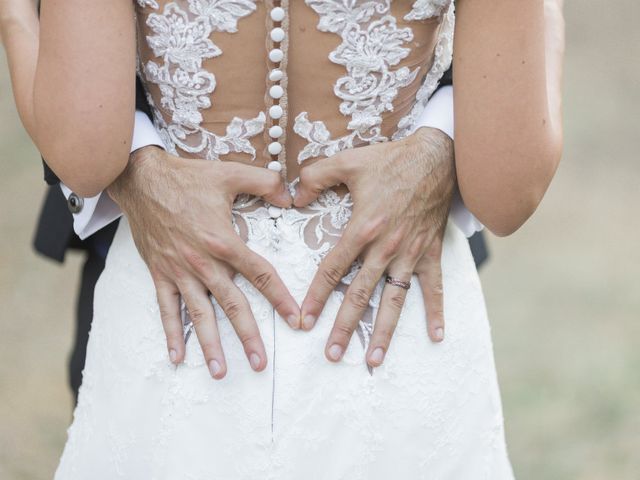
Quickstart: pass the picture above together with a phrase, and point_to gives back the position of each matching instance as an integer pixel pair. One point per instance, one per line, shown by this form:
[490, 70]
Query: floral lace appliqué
[182, 40]
[371, 45]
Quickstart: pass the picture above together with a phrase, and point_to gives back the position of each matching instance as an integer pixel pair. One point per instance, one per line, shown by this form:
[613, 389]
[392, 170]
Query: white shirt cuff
[144, 133]
[438, 113]
[99, 211]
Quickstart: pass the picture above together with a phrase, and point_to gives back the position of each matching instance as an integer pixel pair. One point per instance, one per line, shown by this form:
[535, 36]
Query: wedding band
[396, 282]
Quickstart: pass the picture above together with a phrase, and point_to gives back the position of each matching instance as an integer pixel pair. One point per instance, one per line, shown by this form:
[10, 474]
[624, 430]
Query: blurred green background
[563, 293]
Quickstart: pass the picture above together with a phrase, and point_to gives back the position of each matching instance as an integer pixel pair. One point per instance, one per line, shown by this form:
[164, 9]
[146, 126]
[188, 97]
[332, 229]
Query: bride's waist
[318, 224]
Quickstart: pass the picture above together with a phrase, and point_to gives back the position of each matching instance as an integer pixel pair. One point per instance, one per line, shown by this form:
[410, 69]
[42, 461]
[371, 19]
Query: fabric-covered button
[275, 148]
[275, 75]
[275, 131]
[276, 112]
[277, 14]
[277, 34]
[275, 166]
[276, 92]
[276, 55]
[75, 203]
[275, 212]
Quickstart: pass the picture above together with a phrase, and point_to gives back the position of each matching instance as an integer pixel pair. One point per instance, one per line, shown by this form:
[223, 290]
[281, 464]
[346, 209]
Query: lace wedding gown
[278, 83]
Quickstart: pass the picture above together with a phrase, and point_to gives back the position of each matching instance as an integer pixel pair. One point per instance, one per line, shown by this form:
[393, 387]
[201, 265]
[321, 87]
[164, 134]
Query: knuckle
[307, 175]
[178, 272]
[198, 315]
[434, 251]
[218, 247]
[391, 247]
[263, 280]
[416, 248]
[195, 260]
[437, 316]
[369, 230]
[359, 297]
[249, 338]
[231, 307]
[385, 333]
[397, 301]
[166, 313]
[437, 289]
[273, 182]
[342, 330]
[209, 347]
[331, 274]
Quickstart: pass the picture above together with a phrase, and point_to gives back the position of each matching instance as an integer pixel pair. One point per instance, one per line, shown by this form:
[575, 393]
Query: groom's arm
[438, 114]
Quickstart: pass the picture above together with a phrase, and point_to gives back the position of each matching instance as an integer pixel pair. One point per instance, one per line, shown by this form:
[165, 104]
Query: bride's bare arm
[508, 75]
[73, 78]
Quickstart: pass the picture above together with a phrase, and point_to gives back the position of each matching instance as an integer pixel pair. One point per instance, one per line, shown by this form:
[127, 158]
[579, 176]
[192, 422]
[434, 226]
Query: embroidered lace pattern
[372, 46]
[181, 39]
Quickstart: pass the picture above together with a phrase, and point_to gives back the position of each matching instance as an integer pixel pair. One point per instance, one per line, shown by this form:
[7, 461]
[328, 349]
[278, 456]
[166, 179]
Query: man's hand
[402, 194]
[180, 216]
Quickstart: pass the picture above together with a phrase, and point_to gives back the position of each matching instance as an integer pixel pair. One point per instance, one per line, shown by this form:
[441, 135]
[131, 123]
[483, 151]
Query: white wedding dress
[349, 73]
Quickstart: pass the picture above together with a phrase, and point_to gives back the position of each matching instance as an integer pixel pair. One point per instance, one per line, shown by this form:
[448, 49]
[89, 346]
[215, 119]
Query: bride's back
[339, 73]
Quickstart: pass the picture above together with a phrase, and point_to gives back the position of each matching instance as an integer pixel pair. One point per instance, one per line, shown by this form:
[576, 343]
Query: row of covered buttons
[276, 91]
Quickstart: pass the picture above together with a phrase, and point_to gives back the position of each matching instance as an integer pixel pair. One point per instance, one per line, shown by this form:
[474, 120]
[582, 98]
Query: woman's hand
[402, 194]
[180, 215]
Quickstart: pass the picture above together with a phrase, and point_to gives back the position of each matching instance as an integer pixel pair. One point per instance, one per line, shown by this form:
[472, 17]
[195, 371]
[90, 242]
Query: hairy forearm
[508, 134]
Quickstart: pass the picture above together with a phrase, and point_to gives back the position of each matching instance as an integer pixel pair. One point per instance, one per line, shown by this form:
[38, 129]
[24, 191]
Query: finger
[391, 303]
[319, 176]
[261, 182]
[335, 265]
[237, 309]
[353, 307]
[265, 278]
[202, 315]
[169, 304]
[430, 278]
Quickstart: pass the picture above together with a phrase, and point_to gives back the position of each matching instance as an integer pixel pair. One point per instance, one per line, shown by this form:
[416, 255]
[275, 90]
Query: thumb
[319, 176]
[257, 181]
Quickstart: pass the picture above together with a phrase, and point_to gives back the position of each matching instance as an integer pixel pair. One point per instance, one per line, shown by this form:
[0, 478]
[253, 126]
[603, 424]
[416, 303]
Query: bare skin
[508, 143]
[397, 226]
[187, 241]
[82, 127]
[181, 223]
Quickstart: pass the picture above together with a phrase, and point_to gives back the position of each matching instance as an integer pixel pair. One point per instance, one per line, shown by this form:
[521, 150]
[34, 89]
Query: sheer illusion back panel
[353, 71]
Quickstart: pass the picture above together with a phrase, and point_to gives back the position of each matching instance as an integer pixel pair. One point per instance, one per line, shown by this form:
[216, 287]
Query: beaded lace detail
[182, 39]
[436, 408]
[372, 46]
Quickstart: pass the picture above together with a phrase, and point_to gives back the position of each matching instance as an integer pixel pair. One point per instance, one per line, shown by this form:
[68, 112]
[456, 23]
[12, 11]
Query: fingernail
[173, 356]
[308, 322]
[335, 352]
[292, 320]
[377, 356]
[439, 334]
[254, 359]
[214, 367]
